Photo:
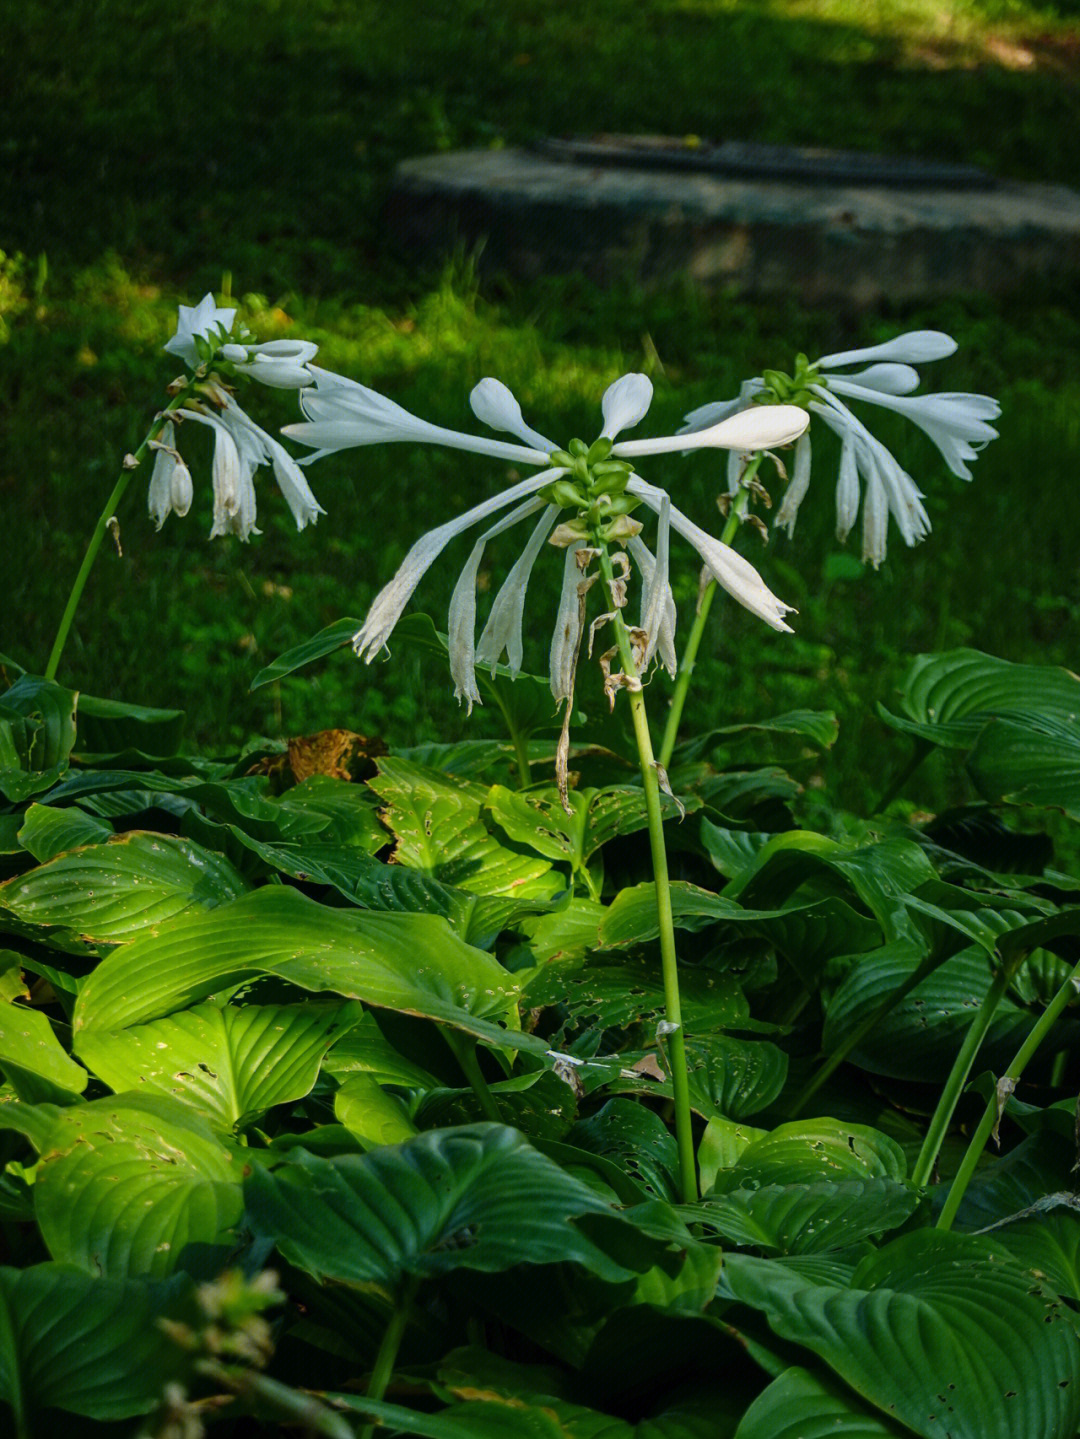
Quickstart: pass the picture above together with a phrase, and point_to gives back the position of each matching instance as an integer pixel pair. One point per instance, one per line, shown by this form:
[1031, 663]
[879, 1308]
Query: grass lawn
[152, 153]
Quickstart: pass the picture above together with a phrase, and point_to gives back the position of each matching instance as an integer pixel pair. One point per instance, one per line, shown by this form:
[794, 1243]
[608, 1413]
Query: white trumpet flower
[240, 448]
[170, 482]
[204, 321]
[958, 425]
[281, 364]
[340, 414]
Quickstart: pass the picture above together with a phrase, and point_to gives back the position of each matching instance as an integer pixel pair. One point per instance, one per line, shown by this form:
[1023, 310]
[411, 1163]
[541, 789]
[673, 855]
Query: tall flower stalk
[584, 497]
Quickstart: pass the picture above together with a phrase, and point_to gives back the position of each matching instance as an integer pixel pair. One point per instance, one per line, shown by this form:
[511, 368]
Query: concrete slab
[849, 244]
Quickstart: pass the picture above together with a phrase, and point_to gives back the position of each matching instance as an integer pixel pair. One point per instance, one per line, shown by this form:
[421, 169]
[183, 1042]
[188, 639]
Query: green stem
[676, 1043]
[517, 739]
[985, 1128]
[697, 630]
[922, 749]
[464, 1050]
[98, 535]
[388, 1348]
[958, 1076]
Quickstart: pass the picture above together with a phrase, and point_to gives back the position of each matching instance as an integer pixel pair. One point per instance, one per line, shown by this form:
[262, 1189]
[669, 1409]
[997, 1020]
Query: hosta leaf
[919, 1036]
[436, 821]
[635, 1139]
[731, 1077]
[333, 637]
[346, 811]
[366, 1050]
[1045, 1239]
[125, 1185]
[806, 1151]
[612, 996]
[478, 918]
[37, 732]
[477, 1197]
[802, 1405]
[371, 1114]
[116, 891]
[33, 1060]
[475, 1419]
[536, 818]
[949, 697]
[940, 1331]
[75, 1342]
[47, 832]
[539, 1104]
[231, 1063]
[818, 727]
[109, 726]
[1036, 762]
[809, 1218]
[409, 962]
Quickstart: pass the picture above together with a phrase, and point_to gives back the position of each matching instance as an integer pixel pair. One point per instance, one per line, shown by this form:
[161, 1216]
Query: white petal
[797, 486]
[847, 488]
[388, 604]
[343, 414]
[566, 637]
[728, 568]
[890, 379]
[299, 351]
[915, 348]
[875, 521]
[903, 498]
[762, 427]
[159, 494]
[504, 624]
[462, 624]
[292, 484]
[494, 405]
[658, 604]
[665, 647]
[278, 374]
[625, 404]
[955, 423]
[200, 319]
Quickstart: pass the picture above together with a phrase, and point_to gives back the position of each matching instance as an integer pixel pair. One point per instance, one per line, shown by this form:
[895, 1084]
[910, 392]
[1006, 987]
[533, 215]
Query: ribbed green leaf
[1033, 762]
[537, 818]
[231, 1063]
[125, 1185]
[83, 1344]
[809, 1218]
[409, 962]
[47, 832]
[807, 1151]
[801, 1405]
[436, 821]
[949, 697]
[37, 732]
[333, 637]
[477, 1197]
[33, 1060]
[371, 1114]
[115, 891]
[940, 1331]
[109, 726]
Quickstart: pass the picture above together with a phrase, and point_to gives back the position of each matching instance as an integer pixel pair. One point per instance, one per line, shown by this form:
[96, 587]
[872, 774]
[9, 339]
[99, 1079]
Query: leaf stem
[464, 1051]
[99, 533]
[958, 1075]
[1024, 1054]
[676, 1043]
[389, 1346]
[697, 630]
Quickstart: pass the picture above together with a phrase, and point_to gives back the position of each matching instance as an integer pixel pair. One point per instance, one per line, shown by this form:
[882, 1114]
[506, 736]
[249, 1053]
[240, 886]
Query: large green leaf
[949, 697]
[334, 637]
[802, 1405]
[809, 1218]
[479, 919]
[475, 1419]
[807, 1151]
[372, 1115]
[536, 818]
[82, 1344]
[47, 831]
[1034, 762]
[436, 821]
[231, 1063]
[635, 1139]
[919, 1037]
[37, 732]
[1045, 1238]
[125, 1185]
[940, 1331]
[109, 726]
[33, 1060]
[408, 962]
[476, 1197]
[115, 891]
[819, 728]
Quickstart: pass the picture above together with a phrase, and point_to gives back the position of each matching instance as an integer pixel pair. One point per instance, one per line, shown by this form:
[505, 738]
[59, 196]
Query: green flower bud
[599, 450]
[621, 504]
[578, 448]
[560, 459]
[621, 528]
[564, 494]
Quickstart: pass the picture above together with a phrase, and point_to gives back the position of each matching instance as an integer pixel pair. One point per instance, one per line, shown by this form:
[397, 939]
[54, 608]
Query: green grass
[149, 150]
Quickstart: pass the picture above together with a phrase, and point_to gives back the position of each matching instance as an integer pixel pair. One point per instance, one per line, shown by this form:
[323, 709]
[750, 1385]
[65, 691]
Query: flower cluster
[958, 424]
[203, 339]
[598, 486]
